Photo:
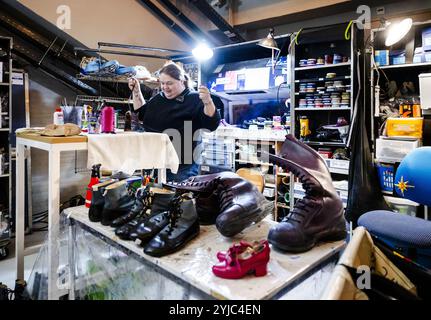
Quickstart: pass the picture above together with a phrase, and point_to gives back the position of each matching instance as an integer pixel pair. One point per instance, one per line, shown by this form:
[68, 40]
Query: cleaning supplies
[58, 116]
[95, 176]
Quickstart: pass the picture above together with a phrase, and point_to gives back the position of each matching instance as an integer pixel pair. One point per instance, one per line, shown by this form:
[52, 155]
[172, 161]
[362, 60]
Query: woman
[178, 107]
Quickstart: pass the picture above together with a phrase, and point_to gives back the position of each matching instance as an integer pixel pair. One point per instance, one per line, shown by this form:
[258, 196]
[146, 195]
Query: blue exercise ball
[413, 177]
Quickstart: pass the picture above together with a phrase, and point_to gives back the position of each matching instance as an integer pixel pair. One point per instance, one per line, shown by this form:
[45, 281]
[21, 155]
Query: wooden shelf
[4, 175]
[4, 129]
[4, 84]
[342, 64]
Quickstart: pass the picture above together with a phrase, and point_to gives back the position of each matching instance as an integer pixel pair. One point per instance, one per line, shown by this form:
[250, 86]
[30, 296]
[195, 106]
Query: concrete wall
[45, 94]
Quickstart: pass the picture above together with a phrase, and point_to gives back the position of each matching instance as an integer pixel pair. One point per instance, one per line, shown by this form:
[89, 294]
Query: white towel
[130, 151]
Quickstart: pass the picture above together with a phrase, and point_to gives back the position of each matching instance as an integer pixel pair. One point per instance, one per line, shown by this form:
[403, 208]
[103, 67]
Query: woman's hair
[177, 72]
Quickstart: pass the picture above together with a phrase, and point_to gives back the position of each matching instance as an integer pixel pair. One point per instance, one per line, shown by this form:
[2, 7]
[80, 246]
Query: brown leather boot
[319, 215]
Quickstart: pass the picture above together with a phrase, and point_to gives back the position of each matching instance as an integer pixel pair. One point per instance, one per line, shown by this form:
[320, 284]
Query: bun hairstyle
[177, 72]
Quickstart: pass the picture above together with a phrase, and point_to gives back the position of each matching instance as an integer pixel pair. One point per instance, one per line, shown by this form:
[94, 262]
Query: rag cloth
[130, 151]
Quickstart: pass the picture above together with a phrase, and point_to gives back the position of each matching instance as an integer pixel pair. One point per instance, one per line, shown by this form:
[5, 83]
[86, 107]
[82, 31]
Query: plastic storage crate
[386, 173]
[424, 90]
[389, 150]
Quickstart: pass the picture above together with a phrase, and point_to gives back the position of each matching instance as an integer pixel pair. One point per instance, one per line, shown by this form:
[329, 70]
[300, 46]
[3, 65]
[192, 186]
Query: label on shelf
[17, 78]
[339, 164]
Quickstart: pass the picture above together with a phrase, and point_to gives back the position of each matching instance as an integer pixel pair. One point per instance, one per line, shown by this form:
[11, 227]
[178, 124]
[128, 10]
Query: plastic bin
[402, 206]
[390, 150]
[424, 90]
[386, 173]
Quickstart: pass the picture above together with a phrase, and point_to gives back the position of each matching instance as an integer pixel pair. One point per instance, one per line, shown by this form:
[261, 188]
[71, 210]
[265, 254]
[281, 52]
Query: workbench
[103, 266]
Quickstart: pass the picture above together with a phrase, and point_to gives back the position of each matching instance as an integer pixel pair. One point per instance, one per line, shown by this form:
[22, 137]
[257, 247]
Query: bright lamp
[397, 31]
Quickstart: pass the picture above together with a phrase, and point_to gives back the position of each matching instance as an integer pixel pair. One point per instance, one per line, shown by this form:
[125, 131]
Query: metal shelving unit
[346, 72]
[6, 43]
[393, 72]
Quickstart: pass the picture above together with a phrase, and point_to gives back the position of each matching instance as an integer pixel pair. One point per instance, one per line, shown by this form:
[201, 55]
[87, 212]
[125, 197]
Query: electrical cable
[355, 107]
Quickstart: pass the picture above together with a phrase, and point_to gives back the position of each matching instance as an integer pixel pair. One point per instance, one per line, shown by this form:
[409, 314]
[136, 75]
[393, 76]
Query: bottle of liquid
[58, 116]
[95, 176]
[304, 128]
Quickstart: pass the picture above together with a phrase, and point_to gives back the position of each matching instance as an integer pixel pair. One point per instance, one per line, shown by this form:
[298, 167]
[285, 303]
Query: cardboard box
[381, 57]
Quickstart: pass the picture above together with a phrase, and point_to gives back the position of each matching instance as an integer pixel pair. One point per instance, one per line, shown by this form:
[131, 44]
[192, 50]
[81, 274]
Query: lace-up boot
[153, 224]
[142, 203]
[319, 215]
[201, 184]
[158, 201]
[241, 205]
[183, 226]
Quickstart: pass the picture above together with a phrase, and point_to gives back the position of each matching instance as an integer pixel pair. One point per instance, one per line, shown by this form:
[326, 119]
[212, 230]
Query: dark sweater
[160, 114]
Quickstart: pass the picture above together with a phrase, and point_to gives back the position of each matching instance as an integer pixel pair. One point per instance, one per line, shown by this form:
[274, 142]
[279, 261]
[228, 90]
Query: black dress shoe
[150, 226]
[127, 231]
[182, 227]
[142, 203]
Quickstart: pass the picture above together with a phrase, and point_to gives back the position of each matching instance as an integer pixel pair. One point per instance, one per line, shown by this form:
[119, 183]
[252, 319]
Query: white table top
[193, 263]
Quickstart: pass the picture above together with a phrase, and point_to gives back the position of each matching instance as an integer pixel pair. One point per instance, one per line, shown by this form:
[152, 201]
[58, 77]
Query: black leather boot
[182, 227]
[207, 207]
[201, 184]
[98, 200]
[118, 202]
[319, 215]
[241, 205]
[159, 202]
[142, 203]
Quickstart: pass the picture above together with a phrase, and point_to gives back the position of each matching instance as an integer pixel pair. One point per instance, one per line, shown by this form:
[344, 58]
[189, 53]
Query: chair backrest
[253, 176]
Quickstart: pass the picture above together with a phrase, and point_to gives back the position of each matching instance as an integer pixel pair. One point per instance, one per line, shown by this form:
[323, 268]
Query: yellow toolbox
[404, 127]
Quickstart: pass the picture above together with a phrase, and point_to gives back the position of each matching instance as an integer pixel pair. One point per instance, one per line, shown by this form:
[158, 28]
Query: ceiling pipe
[168, 22]
[230, 32]
[186, 21]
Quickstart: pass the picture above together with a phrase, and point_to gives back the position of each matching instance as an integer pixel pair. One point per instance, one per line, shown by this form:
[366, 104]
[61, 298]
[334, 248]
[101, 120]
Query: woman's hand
[134, 85]
[204, 95]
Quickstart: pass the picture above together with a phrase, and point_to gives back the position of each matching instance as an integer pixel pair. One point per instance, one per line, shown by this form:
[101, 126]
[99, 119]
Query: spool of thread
[108, 120]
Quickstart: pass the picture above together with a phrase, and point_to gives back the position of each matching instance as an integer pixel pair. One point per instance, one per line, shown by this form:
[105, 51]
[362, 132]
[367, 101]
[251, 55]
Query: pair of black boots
[171, 224]
[111, 199]
[167, 231]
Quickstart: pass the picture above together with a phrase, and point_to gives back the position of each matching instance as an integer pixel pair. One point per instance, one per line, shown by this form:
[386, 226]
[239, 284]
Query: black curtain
[364, 188]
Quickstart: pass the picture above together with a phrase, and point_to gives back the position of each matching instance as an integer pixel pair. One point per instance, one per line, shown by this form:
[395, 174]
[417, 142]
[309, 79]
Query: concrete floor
[7, 266]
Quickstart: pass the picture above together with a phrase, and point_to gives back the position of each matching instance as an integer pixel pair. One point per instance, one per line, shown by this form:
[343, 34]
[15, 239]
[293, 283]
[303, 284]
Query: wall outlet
[380, 10]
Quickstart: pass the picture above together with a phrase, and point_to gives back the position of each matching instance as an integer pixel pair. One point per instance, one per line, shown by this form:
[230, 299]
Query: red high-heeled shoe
[241, 246]
[251, 260]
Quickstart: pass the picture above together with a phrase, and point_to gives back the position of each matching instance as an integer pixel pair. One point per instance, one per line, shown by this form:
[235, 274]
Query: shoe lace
[191, 183]
[225, 194]
[176, 211]
[303, 205]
